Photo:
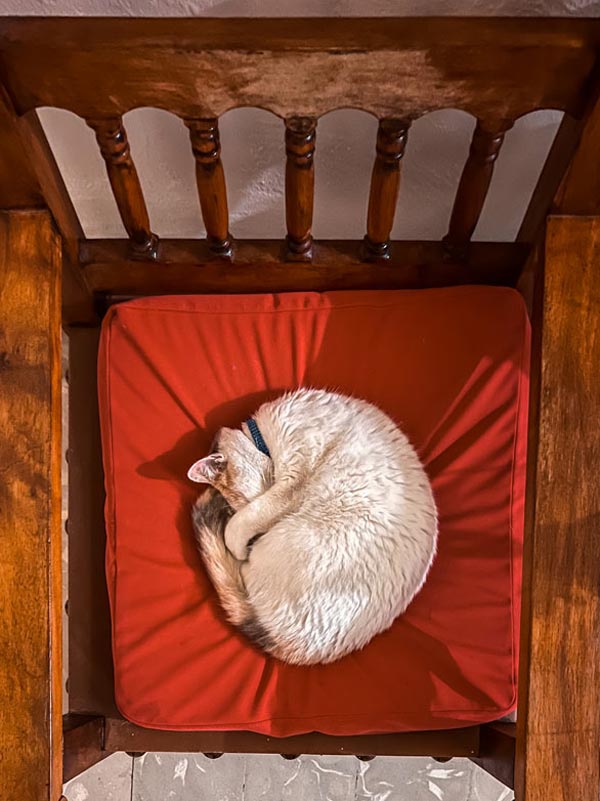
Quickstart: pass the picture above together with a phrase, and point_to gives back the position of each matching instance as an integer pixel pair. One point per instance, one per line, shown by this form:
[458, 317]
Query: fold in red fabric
[450, 366]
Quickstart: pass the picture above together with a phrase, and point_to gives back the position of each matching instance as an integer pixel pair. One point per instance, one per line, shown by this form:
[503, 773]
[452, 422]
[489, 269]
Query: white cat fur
[346, 518]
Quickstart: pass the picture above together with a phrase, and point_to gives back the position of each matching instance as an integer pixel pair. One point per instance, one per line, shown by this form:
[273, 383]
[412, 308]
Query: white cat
[322, 527]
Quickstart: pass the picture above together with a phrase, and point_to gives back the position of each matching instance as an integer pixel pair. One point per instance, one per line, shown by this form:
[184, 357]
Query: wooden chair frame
[398, 70]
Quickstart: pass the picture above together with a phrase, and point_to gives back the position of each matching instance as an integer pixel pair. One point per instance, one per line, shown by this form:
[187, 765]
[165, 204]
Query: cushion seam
[333, 716]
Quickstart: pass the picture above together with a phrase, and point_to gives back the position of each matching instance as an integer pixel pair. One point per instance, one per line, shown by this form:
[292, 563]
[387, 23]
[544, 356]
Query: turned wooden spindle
[300, 135]
[474, 184]
[125, 183]
[385, 185]
[210, 178]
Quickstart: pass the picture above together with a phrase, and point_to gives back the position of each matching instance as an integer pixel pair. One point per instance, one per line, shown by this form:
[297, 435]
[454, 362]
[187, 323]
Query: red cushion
[450, 366]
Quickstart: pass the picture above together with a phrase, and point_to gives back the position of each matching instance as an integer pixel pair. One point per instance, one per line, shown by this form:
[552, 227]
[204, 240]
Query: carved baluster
[385, 185]
[300, 134]
[127, 191]
[474, 184]
[210, 178]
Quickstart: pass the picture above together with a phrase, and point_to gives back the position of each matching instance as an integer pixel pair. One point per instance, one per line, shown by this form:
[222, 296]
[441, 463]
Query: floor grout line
[357, 772]
[132, 778]
[244, 779]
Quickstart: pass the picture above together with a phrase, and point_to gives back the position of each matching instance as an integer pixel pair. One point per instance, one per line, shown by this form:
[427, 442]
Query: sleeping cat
[321, 526]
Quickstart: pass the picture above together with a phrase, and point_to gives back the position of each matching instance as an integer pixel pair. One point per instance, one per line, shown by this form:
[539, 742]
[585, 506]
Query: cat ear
[207, 470]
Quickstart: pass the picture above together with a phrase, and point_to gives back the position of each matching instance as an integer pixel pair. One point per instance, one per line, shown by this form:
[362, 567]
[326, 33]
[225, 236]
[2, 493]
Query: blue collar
[257, 436]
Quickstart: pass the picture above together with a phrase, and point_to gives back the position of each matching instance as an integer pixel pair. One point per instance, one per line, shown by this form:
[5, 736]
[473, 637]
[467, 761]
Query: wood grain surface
[200, 68]
[558, 726]
[210, 180]
[30, 508]
[125, 184]
[385, 186]
[186, 266]
[120, 735]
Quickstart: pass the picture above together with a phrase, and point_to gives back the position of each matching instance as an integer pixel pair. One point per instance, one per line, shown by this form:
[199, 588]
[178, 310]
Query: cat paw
[236, 540]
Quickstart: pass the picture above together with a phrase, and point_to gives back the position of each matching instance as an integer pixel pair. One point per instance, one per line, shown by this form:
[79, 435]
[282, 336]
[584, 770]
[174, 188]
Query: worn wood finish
[385, 185]
[120, 735]
[91, 687]
[186, 267]
[29, 179]
[127, 190]
[83, 737]
[474, 184]
[559, 704]
[200, 68]
[30, 563]
[210, 179]
[300, 135]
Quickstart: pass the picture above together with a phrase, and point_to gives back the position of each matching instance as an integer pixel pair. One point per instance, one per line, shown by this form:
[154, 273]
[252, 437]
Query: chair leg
[497, 752]
[30, 491]
[558, 727]
[83, 737]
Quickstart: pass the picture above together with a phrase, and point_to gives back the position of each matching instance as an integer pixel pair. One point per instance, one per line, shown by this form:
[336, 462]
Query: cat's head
[236, 468]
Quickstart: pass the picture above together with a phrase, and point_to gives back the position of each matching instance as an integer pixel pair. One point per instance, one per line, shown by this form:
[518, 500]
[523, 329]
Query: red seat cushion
[450, 366]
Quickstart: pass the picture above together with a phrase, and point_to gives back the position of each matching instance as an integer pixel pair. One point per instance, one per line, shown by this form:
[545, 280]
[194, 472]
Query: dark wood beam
[120, 735]
[497, 752]
[83, 739]
[186, 266]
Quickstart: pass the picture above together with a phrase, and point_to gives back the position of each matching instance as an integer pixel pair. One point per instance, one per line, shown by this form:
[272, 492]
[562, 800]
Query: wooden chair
[398, 70]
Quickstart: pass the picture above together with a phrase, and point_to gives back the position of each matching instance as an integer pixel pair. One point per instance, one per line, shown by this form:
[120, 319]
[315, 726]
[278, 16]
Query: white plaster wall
[252, 141]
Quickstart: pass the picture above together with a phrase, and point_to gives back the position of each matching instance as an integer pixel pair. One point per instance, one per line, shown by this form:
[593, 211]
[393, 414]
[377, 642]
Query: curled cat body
[317, 541]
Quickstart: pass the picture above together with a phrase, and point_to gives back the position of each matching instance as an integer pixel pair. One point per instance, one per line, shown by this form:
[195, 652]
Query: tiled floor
[193, 777]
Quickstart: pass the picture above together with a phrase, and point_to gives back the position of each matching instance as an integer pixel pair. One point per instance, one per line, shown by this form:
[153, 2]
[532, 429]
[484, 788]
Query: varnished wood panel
[200, 68]
[120, 735]
[260, 266]
[558, 725]
[30, 490]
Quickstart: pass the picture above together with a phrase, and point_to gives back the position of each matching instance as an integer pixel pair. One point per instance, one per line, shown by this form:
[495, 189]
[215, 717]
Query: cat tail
[210, 515]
